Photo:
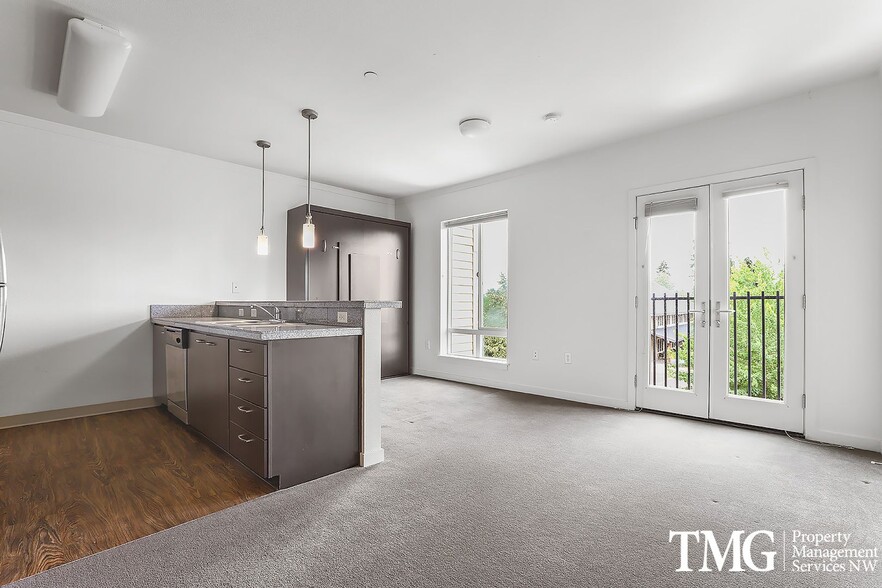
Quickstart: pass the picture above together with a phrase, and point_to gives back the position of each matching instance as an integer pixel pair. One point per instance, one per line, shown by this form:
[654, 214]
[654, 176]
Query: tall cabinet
[356, 257]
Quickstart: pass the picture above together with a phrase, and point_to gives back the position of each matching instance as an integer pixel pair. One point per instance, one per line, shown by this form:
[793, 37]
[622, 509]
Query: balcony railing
[756, 343]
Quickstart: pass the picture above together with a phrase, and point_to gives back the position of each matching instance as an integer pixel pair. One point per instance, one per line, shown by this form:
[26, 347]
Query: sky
[756, 224]
[494, 247]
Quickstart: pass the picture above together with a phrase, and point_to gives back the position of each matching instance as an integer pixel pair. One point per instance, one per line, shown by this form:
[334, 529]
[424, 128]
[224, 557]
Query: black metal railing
[756, 343]
[756, 339]
[668, 345]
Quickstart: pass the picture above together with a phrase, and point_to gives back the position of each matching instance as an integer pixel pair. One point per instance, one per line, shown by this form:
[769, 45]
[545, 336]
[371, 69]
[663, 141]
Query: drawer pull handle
[241, 350]
[245, 380]
[244, 440]
[245, 410]
[204, 342]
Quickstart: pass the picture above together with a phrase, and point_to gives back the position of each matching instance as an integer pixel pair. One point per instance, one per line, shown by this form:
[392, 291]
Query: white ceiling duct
[94, 57]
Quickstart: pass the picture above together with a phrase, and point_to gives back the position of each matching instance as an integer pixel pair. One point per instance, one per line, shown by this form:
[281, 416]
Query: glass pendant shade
[262, 244]
[308, 233]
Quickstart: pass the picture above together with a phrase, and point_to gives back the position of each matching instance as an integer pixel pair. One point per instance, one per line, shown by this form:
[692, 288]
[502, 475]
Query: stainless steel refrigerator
[2, 292]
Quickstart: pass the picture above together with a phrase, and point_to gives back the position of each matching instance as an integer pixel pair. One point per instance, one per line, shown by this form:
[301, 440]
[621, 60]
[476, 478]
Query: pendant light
[309, 228]
[263, 240]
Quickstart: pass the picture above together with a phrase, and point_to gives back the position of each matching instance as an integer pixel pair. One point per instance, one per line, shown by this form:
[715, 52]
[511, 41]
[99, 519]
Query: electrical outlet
[342, 317]
[241, 312]
[535, 356]
[568, 357]
[253, 313]
[235, 287]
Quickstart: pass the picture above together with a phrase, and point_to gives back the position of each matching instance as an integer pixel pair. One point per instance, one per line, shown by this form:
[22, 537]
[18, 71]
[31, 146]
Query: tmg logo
[740, 550]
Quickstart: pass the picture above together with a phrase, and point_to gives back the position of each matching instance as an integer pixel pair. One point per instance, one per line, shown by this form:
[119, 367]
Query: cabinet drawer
[248, 356]
[248, 386]
[249, 416]
[249, 449]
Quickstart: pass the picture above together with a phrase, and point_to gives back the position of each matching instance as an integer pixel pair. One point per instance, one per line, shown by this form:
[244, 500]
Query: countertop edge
[310, 332]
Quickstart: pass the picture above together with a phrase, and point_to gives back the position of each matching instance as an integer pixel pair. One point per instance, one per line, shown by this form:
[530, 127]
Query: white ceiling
[212, 76]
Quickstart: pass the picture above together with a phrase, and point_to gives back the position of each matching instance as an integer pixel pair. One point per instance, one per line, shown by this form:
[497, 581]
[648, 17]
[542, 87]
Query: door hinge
[803, 301]
[636, 304]
[803, 400]
[635, 380]
[803, 201]
[635, 223]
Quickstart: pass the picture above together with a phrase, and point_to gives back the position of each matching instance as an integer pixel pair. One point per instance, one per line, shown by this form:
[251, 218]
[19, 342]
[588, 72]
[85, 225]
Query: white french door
[720, 301]
[673, 251]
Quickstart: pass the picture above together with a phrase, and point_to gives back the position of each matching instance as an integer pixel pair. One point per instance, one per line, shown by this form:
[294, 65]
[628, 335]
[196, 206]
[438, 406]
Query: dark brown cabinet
[357, 257]
[208, 387]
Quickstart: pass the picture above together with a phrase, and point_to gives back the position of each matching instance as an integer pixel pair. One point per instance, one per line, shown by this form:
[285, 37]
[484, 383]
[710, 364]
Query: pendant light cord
[262, 187]
[308, 167]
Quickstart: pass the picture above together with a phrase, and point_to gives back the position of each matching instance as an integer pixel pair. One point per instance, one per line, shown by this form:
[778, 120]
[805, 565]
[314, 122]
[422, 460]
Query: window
[475, 267]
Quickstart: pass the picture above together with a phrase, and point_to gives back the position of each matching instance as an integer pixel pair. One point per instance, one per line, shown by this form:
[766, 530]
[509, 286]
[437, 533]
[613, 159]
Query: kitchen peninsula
[290, 389]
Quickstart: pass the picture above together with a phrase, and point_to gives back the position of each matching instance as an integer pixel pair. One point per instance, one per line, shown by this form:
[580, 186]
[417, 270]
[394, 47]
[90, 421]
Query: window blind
[671, 207]
[756, 190]
[478, 218]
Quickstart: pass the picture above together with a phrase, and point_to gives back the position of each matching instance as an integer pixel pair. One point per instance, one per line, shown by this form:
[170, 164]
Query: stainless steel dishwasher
[176, 371]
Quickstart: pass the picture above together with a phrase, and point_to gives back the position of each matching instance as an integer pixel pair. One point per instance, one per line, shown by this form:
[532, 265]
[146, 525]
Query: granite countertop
[256, 331]
[319, 303]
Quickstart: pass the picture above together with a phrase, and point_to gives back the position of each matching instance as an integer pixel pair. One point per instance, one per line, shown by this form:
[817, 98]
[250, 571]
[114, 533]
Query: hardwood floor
[72, 488]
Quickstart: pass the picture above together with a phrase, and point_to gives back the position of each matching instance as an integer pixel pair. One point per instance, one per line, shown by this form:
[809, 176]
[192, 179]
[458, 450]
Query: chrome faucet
[276, 316]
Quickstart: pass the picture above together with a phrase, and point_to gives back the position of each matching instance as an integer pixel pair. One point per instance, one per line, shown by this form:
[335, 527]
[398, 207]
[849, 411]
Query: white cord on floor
[818, 443]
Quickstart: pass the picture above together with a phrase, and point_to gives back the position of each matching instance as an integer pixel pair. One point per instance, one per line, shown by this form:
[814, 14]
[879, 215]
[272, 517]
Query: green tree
[755, 277]
[495, 314]
[663, 276]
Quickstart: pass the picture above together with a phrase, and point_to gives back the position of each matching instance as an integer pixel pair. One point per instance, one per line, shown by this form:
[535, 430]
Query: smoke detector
[93, 60]
[473, 127]
[551, 117]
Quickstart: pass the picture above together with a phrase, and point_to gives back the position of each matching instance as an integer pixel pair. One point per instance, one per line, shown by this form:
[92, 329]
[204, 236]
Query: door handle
[243, 439]
[702, 312]
[241, 350]
[720, 312]
[245, 410]
[245, 380]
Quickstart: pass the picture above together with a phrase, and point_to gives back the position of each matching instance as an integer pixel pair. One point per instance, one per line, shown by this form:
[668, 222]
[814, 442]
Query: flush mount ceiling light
[308, 228]
[94, 57]
[474, 127]
[551, 117]
[262, 240]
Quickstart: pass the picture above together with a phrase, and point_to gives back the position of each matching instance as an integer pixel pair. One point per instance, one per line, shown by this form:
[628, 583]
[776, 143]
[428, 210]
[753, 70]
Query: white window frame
[446, 284]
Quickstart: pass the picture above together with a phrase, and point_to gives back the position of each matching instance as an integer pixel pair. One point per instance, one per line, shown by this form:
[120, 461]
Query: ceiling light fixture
[308, 228]
[93, 60]
[262, 240]
[371, 75]
[473, 127]
[551, 117]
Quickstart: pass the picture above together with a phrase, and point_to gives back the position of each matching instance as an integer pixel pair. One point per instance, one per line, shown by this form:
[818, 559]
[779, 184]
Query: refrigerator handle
[3, 290]
[2, 314]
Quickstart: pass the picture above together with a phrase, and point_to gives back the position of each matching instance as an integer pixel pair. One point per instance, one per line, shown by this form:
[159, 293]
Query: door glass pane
[671, 267]
[756, 246]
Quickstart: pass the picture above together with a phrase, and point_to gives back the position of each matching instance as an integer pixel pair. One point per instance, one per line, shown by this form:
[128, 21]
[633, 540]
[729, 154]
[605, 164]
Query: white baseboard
[524, 389]
[48, 416]
[372, 457]
[846, 439]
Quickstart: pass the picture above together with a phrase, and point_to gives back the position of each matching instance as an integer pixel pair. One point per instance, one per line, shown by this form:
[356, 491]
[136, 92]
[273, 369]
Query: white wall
[570, 226]
[98, 228]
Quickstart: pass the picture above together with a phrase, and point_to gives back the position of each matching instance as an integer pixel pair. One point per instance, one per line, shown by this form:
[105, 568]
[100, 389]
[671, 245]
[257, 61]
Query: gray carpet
[486, 488]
